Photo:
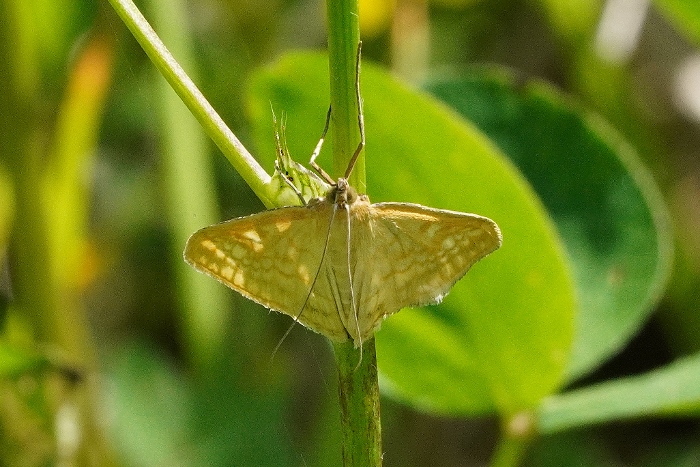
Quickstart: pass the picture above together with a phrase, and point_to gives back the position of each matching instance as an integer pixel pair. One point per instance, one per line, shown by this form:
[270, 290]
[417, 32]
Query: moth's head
[341, 193]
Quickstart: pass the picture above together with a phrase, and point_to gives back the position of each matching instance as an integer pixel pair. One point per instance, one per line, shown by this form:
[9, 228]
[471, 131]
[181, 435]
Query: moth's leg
[317, 151]
[278, 143]
[360, 123]
[281, 140]
[282, 156]
[360, 114]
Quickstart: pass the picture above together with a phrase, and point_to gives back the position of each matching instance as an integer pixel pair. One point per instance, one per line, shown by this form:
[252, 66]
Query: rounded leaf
[607, 208]
[501, 337]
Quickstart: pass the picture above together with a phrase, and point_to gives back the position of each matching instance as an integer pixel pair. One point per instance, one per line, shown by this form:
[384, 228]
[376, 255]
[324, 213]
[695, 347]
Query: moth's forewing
[272, 258]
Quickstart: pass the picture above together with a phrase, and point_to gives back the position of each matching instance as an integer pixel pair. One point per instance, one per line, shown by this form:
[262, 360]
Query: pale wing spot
[376, 279]
[293, 252]
[227, 272]
[448, 243]
[303, 272]
[209, 245]
[475, 232]
[255, 243]
[282, 226]
[219, 254]
[252, 235]
[237, 251]
[239, 279]
[448, 270]
[433, 229]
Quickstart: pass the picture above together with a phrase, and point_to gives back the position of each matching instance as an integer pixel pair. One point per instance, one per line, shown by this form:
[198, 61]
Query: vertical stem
[343, 38]
[42, 254]
[517, 432]
[358, 386]
[509, 452]
[359, 405]
[29, 253]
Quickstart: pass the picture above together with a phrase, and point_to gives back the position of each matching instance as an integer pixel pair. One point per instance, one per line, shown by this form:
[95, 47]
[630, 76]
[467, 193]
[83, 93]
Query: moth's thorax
[342, 194]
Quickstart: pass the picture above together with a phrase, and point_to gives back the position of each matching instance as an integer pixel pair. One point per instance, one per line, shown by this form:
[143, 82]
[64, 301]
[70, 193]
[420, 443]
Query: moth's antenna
[360, 114]
[352, 289]
[317, 151]
[313, 284]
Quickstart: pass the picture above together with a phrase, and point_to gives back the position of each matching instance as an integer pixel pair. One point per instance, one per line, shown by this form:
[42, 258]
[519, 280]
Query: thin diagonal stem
[244, 163]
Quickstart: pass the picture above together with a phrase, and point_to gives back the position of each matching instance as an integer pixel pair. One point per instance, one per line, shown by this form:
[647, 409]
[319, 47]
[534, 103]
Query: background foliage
[579, 137]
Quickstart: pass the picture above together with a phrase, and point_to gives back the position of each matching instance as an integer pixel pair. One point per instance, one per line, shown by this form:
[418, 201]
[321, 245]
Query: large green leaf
[500, 340]
[673, 390]
[607, 208]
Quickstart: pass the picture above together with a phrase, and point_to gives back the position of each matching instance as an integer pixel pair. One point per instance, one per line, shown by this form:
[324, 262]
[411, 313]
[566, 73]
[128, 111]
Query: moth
[339, 264]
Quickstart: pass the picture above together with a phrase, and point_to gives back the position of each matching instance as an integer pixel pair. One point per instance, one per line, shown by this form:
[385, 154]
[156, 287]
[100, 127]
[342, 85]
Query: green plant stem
[244, 163]
[42, 253]
[357, 368]
[343, 39]
[33, 287]
[359, 404]
[509, 452]
[517, 432]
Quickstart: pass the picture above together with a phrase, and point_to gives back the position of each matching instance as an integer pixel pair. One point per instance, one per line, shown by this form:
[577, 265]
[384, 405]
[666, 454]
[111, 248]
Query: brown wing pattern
[272, 258]
[400, 254]
[414, 256]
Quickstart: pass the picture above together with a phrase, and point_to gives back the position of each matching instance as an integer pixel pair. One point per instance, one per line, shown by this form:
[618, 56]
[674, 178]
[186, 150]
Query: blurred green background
[114, 352]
